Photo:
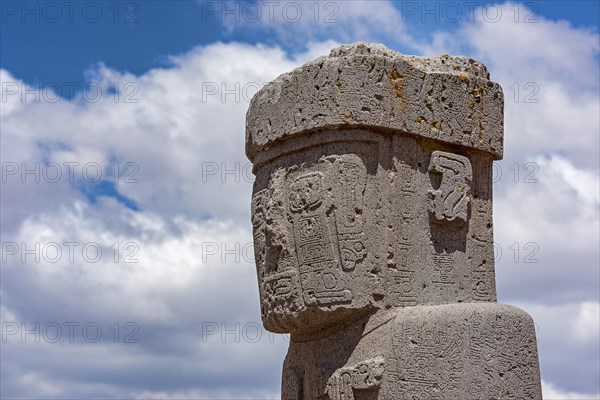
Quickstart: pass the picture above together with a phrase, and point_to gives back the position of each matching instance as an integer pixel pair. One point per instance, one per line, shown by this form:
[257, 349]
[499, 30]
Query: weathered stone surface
[454, 351]
[367, 220]
[373, 236]
[445, 98]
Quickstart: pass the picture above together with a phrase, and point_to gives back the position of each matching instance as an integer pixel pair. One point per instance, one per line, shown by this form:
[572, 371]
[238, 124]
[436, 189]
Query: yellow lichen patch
[477, 91]
[345, 117]
[397, 81]
[462, 78]
[471, 104]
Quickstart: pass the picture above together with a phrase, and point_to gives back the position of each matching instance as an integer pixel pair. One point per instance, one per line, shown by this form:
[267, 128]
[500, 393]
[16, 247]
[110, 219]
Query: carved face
[333, 242]
[309, 239]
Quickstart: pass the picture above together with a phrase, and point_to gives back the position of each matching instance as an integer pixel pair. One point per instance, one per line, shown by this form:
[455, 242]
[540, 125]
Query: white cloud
[295, 22]
[546, 205]
[551, 392]
[586, 328]
[557, 201]
[550, 73]
[568, 356]
[191, 237]
[187, 300]
[181, 129]
[180, 132]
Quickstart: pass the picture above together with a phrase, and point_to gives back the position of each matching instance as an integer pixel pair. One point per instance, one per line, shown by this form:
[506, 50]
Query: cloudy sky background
[152, 96]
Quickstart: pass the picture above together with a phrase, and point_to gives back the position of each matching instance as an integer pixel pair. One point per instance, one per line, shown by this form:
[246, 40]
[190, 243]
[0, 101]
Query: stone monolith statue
[372, 219]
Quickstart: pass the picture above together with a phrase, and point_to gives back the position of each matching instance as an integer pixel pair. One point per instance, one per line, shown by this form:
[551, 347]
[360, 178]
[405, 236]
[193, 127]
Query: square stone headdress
[445, 98]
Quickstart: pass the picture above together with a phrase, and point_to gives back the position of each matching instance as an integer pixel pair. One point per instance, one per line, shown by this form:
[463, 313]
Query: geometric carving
[320, 273]
[373, 237]
[259, 207]
[452, 355]
[306, 192]
[443, 269]
[323, 285]
[451, 200]
[350, 174]
[281, 285]
[364, 376]
[313, 242]
[431, 359]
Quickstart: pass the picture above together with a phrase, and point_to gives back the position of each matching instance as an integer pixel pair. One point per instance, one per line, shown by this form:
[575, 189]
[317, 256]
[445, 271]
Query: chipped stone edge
[459, 68]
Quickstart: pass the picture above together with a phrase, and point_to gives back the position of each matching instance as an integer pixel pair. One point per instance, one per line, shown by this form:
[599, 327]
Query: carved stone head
[371, 190]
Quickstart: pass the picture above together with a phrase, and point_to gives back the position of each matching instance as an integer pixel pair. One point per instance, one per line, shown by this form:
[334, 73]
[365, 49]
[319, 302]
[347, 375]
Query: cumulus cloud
[296, 22]
[546, 232]
[181, 303]
[179, 137]
[567, 331]
[546, 203]
[549, 71]
[550, 392]
[179, 267]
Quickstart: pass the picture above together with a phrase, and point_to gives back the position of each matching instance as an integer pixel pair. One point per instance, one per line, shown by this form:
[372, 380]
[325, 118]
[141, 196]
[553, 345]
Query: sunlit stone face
[310, 242]
[340, 229]
[372, 216]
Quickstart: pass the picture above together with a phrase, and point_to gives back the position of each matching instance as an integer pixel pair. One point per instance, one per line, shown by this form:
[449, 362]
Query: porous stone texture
[446, 98]
[453, 351]
[372, 221]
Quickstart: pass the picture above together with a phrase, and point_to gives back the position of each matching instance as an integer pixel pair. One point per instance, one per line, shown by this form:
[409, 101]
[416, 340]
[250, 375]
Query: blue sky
[126, 191]
[138, 36]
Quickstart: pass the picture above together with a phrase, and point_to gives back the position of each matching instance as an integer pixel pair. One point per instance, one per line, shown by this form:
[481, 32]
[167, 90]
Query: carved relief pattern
[450, 202]
[489, 356]
[321, 278]
[327, 247]
[259, 206]
[482, 285]
[279, 282]
[351, 181]
[401, 269]
[443, 269]
[431, 361]
[364, 376]
[481, 258]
